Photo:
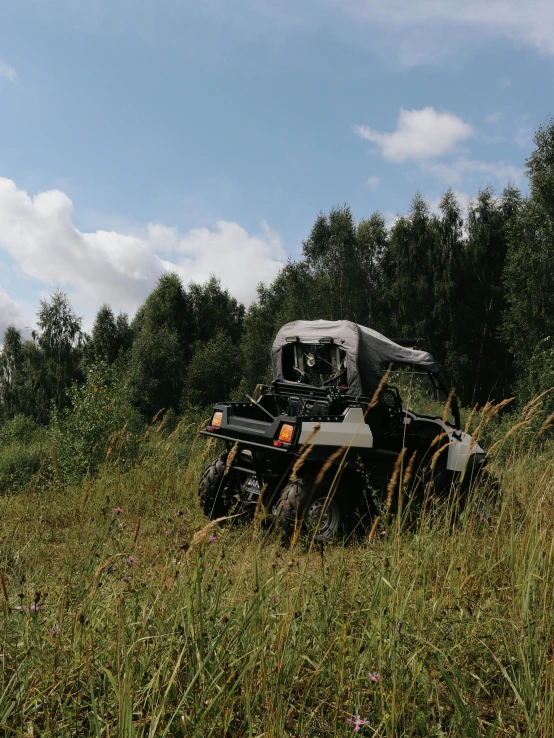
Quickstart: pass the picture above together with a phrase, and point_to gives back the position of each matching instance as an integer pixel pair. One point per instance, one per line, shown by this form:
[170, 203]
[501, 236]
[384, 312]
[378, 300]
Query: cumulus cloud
[373, 182]
[420, 134]
[7, 72]
[240, 260]
[108, 266]
[432, 140]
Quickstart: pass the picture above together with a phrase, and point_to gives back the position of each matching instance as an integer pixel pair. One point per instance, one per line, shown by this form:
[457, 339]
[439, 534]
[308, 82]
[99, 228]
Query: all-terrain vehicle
[329, 436]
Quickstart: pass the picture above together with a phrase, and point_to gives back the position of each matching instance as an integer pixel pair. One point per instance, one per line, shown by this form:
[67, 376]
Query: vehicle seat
[391, 399]
[295, 406]
[317, 408]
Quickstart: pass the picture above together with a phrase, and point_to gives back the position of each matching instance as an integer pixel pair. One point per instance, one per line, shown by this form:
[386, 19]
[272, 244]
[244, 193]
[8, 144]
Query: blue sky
[140, 136]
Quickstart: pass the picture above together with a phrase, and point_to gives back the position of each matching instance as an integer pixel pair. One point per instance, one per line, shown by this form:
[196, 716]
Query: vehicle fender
[352, 431]
[461, 447]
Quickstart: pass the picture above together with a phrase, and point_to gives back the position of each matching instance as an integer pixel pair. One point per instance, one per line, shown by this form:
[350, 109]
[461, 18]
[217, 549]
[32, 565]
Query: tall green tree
[330, 252]
[214, 371]
[36, 374]
[156, 371]
[111, 336]
[124, 332]
[529, 282]
[11, 357]
[162, 346]
[214, 310]
[449, 268]
[540, 168]
[22, 391]
[59, 340]
[490, 367]
[528, 323]
[409, 271]
[371, 245]
[167, 306]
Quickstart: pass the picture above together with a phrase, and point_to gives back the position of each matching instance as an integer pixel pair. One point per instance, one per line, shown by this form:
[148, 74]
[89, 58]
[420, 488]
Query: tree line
[476, 288]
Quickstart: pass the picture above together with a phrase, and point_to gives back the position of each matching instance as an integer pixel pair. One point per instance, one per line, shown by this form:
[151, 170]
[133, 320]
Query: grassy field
[124, 614]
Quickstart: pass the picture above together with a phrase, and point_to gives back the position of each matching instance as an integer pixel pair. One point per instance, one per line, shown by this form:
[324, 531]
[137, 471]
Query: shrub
[538, 375]
[23, 447]
[101, 423]
[20, 429]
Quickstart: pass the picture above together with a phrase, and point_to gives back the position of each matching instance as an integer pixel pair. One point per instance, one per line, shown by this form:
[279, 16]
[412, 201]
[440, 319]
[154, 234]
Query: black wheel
[444, 482]
[218, 492]
[476, 483]
[318, 515]
[483, 489]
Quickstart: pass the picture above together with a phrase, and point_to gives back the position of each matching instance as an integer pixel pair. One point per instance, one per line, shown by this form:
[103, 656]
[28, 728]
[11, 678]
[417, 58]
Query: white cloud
[7, 72]
[109, 266]
[453, 172]
[419, 31]
[163, 238]
[373, 182]
[432, 140]
[420, 134]
[531, 22]
[240, 260]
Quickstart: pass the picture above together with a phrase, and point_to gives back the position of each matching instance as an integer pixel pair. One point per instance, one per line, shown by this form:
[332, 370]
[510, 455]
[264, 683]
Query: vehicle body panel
[353, 431]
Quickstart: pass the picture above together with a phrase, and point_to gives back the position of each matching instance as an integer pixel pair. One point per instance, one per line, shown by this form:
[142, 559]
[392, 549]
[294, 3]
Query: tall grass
[124, 615]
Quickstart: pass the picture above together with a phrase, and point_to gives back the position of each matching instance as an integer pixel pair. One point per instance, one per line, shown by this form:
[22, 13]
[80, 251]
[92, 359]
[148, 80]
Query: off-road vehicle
[329, 436]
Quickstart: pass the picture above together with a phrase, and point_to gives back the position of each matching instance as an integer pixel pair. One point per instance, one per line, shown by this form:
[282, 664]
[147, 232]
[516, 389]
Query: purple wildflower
[127, 579]
[274, 598]
[168, 532]
[374, 676]
[21, 608]
[117, 510]
[358, 722]
[383, 533]
[179, 513]
[41, 518]
[53, 631]
[131, 561]
[212, 538]
[399, 625]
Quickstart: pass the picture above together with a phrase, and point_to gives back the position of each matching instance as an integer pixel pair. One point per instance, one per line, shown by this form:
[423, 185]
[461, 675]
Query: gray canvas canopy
[367, 352]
